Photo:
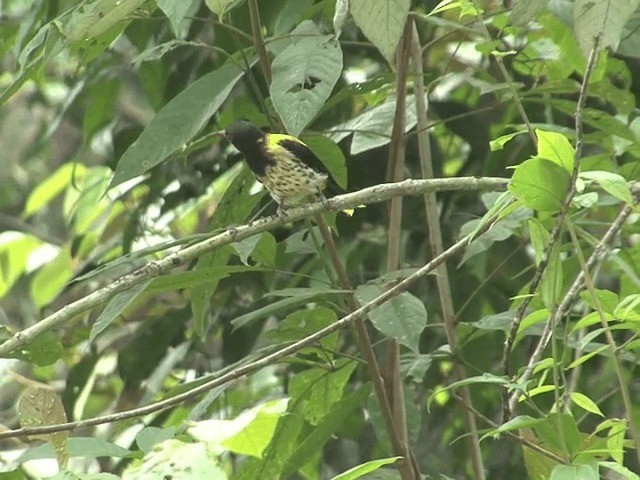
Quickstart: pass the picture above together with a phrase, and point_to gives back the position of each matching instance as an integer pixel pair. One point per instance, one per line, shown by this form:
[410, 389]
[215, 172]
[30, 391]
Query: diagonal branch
[262, 362]
[564, 305]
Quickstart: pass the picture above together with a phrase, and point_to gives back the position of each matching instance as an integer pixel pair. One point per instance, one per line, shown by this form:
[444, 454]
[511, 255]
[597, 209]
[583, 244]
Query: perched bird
[287, 167]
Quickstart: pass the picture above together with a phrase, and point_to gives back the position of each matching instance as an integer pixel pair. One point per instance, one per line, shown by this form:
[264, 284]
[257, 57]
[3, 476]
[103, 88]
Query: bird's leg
[324, 200]
[282, 212]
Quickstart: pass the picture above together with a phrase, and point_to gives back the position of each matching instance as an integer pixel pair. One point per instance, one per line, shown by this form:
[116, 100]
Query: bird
[285, 165]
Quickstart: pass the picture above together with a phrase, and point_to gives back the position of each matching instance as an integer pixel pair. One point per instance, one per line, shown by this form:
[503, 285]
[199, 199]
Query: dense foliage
[480, 326]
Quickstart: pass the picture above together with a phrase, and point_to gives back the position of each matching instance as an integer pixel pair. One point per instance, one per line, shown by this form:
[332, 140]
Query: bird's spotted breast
[289, 181]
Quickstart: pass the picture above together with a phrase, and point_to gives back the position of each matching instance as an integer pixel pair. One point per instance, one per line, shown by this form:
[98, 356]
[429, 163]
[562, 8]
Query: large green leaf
[304, 75]
[247, 434]
[341, 415]
[540, 184]
[115, 307]
[604, 19]
[175, 459]
[92, 19]
[372, 128]
[575, 472]
[403, 317]
[316, 389]
[555, 147]
[382, 22]
[177, 122]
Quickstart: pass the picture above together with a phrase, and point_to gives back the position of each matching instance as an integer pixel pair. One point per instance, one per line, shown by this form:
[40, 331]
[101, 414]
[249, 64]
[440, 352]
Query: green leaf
[52, 186]
[304, 75]
[372, 128]
[248, 434]
[363, 469]
[517, 423]
[540, 184]
[115, 307]
[89, 202]
[560, 432]
[51, 278]
[304, 322]
[314, 441]
[621, 470]
[539, 237]
[606, 299]
[284, 442]
[85, 447]
[150, 436]
[555, 147]
[176, 459]
[245, 247]
[15, 249]
[178, 13]
[177, 122]
[92, 19]
[574, 472]
[480, 379]
[331, 156]
[611, 183]
[403, 317]
[523, 12]
[551, 282]
[501, 141]
[302, 295]
[261, 248]
[45, 349]
[40, 406]
[220, 7]
[317, 389]
[254, 438]
[194, 278]
[603, 19]
[586, 403]
[382, 22]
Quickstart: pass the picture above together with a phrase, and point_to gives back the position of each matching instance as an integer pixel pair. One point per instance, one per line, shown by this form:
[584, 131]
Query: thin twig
[258, 40]
[555, 232]
[437, 246]
[395, 173]
[261, 362]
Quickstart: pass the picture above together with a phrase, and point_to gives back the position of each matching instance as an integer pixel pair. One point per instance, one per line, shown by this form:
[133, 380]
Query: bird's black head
[244, 135]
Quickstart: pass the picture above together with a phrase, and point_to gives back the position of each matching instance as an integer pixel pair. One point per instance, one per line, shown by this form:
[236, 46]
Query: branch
[437, 246]
[392, 387]
[262, 362]
[258, 40]
[375, 194]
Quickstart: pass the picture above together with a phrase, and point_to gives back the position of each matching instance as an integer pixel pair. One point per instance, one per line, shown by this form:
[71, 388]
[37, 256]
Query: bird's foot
[325, 202]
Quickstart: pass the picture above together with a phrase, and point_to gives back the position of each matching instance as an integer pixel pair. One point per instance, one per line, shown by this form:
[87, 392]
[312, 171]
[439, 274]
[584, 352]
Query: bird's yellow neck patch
[273, 140]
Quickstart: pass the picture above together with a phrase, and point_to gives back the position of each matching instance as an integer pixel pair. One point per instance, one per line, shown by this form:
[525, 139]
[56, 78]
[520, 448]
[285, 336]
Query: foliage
[131, 285]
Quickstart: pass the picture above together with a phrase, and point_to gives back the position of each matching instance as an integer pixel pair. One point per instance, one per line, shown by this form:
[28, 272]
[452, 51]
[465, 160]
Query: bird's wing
[304, 153]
